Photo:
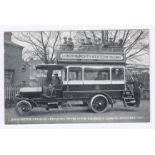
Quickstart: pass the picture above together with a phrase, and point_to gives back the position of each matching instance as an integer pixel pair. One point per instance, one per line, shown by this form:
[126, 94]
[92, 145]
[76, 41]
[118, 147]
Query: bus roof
[49, 67]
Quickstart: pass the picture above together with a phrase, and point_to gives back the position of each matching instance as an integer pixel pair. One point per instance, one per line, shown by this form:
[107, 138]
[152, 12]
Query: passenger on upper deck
[65, 41]
[70, 44]
[82, 42]
[120, 43]
[88, 45]
[111, 43]
[106, 43]
[99, 42]
[64, 45]
[89, 42]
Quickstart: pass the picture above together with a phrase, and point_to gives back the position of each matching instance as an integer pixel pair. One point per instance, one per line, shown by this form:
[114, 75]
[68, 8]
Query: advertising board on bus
[90, 57]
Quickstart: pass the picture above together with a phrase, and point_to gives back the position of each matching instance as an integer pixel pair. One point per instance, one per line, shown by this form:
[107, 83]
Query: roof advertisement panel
[90, 57]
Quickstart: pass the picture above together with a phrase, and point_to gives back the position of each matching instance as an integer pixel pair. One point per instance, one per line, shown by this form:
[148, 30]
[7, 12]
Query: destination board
[90, 57]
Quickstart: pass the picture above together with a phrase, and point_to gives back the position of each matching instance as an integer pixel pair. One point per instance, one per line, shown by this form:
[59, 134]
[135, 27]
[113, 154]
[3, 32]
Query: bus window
[75, 73]
[117, 74]
[97, 74]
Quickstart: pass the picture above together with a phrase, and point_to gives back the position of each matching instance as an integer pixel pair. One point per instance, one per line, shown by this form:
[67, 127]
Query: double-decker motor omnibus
[96, 77]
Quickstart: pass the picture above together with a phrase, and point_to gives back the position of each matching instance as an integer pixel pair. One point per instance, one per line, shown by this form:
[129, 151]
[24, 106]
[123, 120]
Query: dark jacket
[136, 86]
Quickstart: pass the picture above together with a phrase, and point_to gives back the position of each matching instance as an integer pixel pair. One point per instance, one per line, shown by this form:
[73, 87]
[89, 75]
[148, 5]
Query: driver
[56, 84]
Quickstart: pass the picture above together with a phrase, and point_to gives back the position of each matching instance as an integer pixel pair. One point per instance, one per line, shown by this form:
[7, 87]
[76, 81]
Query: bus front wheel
[99, 103]
[23, 107]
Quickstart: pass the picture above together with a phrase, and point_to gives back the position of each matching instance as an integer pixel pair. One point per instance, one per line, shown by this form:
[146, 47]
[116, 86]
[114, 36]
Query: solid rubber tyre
[23, 107]
[99, 103]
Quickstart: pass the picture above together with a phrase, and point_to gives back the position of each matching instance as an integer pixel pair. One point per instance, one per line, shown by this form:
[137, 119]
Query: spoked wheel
[23, 107]
[99, 103]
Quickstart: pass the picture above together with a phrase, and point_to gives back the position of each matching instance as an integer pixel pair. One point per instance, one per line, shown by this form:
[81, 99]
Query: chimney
[7, 36]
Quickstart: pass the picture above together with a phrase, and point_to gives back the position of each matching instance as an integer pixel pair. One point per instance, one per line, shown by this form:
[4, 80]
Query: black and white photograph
[77, 76]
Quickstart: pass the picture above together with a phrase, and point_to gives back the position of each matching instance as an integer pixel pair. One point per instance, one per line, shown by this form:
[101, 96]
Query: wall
[13, 61]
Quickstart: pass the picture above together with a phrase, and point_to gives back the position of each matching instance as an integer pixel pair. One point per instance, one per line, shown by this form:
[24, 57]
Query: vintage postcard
[77, 76]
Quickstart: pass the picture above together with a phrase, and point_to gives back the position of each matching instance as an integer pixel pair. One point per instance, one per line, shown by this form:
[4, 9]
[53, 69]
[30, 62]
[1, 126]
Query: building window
[97, 74]
[23, 68]
[117, 74]
[75, 73]
[9, 77]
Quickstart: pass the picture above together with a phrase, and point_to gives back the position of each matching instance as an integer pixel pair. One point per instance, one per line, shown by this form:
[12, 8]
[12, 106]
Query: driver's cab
[57, 72]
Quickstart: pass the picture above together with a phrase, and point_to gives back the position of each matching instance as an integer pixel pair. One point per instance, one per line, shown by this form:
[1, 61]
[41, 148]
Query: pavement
[117, 114]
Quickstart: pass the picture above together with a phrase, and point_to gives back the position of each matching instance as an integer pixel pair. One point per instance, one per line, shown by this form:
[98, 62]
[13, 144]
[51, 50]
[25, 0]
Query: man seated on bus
[89, 42]
[111, 43]
[82, 43]
[99, 76]
[64, 45]
[102, 76]
[98, 44]
[120, 43]
[116, 74]
[56, 84]
[70, 44]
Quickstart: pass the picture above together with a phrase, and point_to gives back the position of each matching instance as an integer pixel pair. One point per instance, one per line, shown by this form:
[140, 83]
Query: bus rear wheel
[99, 103]
[23, 107]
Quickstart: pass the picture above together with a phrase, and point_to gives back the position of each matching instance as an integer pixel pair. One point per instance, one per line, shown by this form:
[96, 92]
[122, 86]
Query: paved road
[81, 115]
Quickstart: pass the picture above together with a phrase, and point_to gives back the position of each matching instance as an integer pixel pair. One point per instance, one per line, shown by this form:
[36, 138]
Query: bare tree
[41, 44]
[134, 42]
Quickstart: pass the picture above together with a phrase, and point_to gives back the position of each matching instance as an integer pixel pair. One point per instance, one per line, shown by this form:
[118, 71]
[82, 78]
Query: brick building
[15, 69]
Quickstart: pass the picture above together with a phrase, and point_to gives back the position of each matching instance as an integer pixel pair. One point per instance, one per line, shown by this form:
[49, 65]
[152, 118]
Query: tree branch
[137, 52]
[115, 35]
[54, 46]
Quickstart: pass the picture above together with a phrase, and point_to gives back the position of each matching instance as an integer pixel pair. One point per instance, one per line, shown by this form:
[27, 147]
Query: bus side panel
[94, 87]
[81, 95]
